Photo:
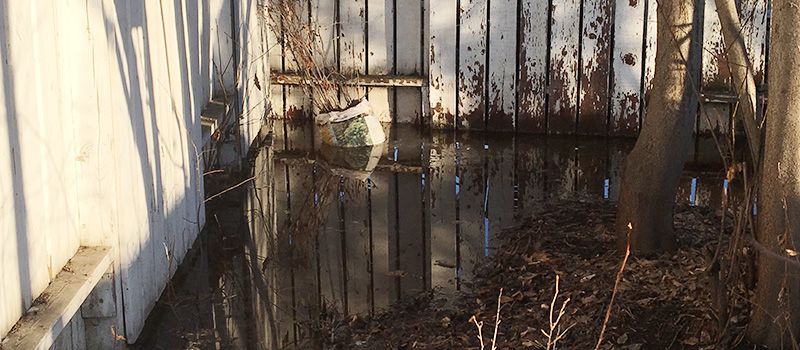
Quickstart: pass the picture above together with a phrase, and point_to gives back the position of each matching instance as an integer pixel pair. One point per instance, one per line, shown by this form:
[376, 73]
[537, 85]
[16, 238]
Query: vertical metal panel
[563, 89]
[323, 23]
[352, 44]
[755, 26]
[595, 67]
[408, 51]
[442, 71]
[471, 65]
[275, 54]
[444, 257]
[299, 137]
[531, 114]
[651, 28]
[380, 54]
[715, 75]
[297, 104]
[502, 65]
[627, 63]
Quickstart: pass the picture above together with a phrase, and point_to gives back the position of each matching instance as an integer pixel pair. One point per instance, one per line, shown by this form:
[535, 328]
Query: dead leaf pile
[662, 302]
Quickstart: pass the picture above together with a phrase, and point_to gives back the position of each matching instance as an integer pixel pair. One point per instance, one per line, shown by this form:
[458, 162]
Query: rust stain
[633, 3]
[472, 89]
[593, 113]
[531, 117]
[294, 112]
[629, 59]
[626, 120]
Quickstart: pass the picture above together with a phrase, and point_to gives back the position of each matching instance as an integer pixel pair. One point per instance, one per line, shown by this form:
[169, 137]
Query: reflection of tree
[341, 174]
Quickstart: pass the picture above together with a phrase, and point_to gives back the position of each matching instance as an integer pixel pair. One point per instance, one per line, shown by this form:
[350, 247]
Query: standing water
[337, 232]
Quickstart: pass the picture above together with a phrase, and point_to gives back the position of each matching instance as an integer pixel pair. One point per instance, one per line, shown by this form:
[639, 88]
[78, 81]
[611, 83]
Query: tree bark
[651, 171]
[742, 73]
[776, 306]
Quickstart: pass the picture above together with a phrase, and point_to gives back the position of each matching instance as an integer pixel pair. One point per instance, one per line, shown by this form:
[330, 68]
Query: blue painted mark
[458, 184]
[755, 205]
[606, 186]
[725, 188]
[486, 197]
[486, 236]
[693, 196]
[395, 153]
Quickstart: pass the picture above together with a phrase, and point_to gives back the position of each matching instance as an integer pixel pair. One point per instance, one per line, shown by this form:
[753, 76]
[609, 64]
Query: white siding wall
[100, 132]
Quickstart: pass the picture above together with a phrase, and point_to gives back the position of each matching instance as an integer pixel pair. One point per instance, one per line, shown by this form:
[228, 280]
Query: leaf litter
[663, 301]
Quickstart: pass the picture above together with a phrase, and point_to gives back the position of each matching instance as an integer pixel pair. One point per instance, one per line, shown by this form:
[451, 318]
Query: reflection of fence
[427, 222]
[558, 66]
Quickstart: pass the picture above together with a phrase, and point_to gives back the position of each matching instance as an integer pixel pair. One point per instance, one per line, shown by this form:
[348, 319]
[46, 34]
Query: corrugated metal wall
[558, 66]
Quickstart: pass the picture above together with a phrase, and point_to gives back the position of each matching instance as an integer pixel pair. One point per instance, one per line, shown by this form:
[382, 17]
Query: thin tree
[652, 170]
[776, 306]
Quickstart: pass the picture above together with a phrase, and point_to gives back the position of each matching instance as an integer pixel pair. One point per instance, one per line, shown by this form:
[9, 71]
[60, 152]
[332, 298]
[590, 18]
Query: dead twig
[497, 320]
[616, 286]
[555, 334]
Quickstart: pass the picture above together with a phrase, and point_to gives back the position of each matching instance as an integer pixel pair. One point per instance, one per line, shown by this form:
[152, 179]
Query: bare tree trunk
[651, 172]
[776, 311]
[742, 74]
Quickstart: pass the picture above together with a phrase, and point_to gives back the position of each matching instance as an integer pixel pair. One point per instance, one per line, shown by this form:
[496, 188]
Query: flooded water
[336, 232]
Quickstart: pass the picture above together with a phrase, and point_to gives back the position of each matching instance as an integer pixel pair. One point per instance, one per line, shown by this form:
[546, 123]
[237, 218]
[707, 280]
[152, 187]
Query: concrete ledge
[59, 302]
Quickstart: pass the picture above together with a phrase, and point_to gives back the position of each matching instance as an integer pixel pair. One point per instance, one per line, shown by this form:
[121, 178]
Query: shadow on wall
[150, 68]
[14, 298]
[167, 88]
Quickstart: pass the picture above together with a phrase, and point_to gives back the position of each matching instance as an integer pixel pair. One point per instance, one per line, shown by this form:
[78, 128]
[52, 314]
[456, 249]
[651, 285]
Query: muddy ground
[663, 301]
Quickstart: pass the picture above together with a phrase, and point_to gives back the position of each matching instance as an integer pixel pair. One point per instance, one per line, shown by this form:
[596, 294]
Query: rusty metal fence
[535, 66]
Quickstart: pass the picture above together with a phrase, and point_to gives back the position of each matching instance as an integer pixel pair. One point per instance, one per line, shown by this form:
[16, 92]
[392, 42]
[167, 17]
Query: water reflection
[348, 231]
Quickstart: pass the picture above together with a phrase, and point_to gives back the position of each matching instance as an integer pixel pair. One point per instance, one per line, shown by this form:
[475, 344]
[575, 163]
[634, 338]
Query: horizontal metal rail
[362, 80]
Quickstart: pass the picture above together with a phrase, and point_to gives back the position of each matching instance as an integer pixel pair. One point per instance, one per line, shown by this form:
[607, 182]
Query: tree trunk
[776, 312]
[743, 81]
[651, 172]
